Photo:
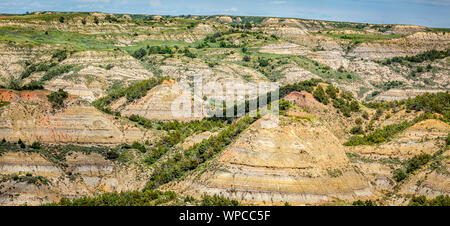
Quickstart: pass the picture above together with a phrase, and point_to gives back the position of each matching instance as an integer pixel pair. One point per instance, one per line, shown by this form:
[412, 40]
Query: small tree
[36, 145]
[332, 91]
[248, 25]
[139, 53]
[61, 19]
[57, 98]
[320, 95]
[20, 142]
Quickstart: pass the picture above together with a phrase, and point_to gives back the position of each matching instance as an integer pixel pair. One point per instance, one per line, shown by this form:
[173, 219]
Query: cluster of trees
[16, 84]
[57, 98]
[142, 52]
[431, 103]
[177, 133]
[364, 203]
[29, 178]
[132, 92]
[390, 85]
[145, 197]
[247, 25]
[128, 198]
[43, 66]
[178, 165]
[440, 200]
[56, 71]
[111, 19]
[50, 67]
[217, 200]
[344, 101]
[419, 58]
[53, 153]
[379, 135]
[411, 165]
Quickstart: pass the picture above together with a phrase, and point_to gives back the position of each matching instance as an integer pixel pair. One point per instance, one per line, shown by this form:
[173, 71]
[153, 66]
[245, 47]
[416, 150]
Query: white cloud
[278, 2]
[155, 3]
[231, 9]
[434, 2]
[93, 1]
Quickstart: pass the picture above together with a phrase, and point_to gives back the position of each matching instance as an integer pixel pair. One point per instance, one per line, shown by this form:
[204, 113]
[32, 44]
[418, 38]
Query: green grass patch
[363, 37]
[71, 40]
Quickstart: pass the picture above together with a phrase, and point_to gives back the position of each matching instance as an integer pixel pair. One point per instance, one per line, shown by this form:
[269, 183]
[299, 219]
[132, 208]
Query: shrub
[216, 200]
[365, 115]
[21, 144]
[354, 106]
[56, 71]
[365, 203]
[320, 95]
[57, 98]
[138, 146]
[440, 200]
[36, 145]
[411, 165]
[60, 55]
[379, 135]
[140, 53]
[332, 91]
[357, 130]
[263, 62]
[112, 154]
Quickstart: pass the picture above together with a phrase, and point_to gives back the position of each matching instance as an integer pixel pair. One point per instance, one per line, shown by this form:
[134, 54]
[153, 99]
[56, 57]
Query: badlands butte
[85, 111]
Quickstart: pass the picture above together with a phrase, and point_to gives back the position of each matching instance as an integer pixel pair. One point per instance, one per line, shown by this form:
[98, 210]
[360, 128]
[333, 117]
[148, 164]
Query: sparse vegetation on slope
[178, 165]
[57, 98]
[132, 92]
[411, 165]
[145, 198]
[430, 55]
[440, 200]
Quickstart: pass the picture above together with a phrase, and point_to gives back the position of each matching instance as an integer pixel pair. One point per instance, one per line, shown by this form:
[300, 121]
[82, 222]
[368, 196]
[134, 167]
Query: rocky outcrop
[30, 117]
[298, 161]
[85, 175]
[407, 46]
[419, 138]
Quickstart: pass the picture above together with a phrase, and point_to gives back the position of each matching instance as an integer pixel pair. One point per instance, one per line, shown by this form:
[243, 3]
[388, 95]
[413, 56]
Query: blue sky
[432, 13]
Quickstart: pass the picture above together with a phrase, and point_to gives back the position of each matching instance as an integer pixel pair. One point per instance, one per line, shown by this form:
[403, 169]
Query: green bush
[140, 53]
[21, 144]
[197, 154]
[365, 203]
[332, 91]
[56, 71]
[132, 92]
[411, 165]
[320, 95]
[57, 98]
[36, 145]
[379, 135]
[440, 200]
[357, 130]
[216, 200]
[431, 103]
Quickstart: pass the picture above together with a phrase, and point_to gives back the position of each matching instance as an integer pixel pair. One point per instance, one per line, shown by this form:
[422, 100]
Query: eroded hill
[87, 100]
